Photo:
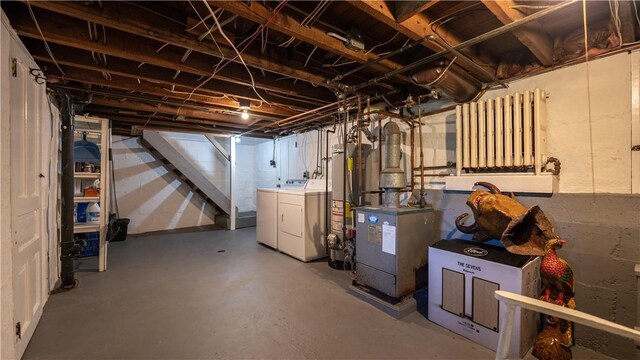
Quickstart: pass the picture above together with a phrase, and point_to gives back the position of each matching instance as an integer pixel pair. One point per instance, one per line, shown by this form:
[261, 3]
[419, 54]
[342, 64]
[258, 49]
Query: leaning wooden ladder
[511, 301]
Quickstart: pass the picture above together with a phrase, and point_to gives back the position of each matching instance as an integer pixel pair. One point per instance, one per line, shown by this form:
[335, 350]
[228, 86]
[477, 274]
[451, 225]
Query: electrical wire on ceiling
[384, 43]
[246, 42]
[222, 58]
[614, 7]
[219, 67]
[309, 20]
[46, 44]
[443, 73]
[202, 20]
[156, 13]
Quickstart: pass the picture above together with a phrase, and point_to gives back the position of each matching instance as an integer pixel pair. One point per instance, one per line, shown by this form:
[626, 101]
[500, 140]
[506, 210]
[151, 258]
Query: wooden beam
[126, 76]
[531, 35]
[128, 19]
[288, 25]
[416, 28]
[130, 85]
[221, 114]
[72, 33]
[406, 9]
[155, 122]
[208, 117]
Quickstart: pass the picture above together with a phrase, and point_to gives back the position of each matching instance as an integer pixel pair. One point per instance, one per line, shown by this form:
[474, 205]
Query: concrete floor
[219, 294]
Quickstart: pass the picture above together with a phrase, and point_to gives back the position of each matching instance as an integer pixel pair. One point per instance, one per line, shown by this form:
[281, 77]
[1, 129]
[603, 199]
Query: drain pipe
[66, 188]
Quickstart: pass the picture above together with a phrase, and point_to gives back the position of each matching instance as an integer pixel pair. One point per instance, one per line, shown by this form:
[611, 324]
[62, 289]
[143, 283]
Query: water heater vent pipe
[392, 178]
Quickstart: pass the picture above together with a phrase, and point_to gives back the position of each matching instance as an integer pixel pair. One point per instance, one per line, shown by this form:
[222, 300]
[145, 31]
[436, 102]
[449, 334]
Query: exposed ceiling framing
[188, 65]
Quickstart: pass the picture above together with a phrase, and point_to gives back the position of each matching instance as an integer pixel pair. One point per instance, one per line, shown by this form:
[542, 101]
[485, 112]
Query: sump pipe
[480, 38]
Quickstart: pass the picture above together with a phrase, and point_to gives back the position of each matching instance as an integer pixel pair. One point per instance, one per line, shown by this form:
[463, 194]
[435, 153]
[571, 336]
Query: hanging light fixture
[244, 106]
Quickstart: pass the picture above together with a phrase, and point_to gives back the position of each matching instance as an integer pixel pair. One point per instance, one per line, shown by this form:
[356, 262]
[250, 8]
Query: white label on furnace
[361, 217]
[389, 239]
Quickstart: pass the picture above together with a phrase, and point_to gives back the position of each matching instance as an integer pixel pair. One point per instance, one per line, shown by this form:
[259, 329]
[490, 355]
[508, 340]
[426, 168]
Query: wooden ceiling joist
[288, 25]
[416, 28]
[159, 83]
[72, 35]
[407, 9]
[221, 114]
[206, 117]
[113, 15]
[532, 35]
[154, 122]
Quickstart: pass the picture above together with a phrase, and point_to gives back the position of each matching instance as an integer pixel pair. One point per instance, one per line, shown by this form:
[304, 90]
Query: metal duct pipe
[66, 189]
[392, 179]
[472, 63]
[441, 76]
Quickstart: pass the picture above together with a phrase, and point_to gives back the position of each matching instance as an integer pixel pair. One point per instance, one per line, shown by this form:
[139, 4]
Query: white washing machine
[266, 217]
[302, 215]
[267, 211]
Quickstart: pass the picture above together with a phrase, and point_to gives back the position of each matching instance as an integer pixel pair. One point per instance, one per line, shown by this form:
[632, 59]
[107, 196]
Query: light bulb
[238, 137]
[245, 114]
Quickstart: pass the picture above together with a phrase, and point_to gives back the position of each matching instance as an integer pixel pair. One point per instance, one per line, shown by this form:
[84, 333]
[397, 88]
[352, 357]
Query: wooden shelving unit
[98, 131]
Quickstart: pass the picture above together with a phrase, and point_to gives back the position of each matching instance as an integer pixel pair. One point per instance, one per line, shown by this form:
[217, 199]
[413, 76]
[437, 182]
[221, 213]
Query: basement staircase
[175, 161]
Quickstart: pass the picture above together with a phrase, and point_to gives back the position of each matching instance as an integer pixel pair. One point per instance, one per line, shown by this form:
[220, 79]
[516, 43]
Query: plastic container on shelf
[93, 213]
[89, 242]
[81, 212]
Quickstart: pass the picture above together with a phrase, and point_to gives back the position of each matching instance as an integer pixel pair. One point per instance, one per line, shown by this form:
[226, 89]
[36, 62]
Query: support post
[232, 186]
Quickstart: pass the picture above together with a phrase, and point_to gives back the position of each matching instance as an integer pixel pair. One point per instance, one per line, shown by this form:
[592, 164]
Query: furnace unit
[391, 250]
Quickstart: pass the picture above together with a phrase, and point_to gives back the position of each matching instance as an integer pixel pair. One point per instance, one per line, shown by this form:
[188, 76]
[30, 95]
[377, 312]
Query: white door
[29, 287]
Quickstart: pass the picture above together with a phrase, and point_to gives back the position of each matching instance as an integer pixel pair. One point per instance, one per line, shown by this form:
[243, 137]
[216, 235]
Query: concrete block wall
[201, 153]
[265, 174]
[150, 195]
[594, 210]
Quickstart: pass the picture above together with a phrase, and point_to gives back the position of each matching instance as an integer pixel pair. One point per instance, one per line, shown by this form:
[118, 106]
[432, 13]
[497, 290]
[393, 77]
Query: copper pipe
[412, 133]
[360, 167]
[421, 148]
[379, 156]
[303, 114]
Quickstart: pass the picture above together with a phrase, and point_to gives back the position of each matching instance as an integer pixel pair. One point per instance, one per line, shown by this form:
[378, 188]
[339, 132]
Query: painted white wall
[569, 135]
[265, 174]
[153, 197]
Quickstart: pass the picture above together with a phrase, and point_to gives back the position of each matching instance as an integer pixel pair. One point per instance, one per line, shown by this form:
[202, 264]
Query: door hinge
[18, 330]
[14, 67]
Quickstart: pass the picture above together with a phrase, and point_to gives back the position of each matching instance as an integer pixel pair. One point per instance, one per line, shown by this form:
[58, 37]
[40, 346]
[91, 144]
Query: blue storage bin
[90, 243]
